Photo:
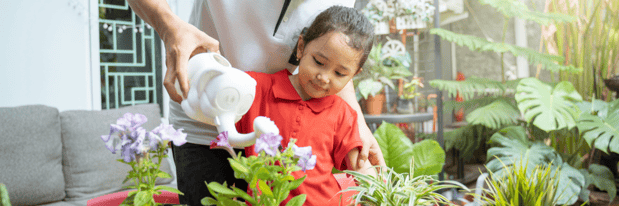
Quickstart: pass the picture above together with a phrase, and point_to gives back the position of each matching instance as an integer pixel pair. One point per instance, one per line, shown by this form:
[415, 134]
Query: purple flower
[307, 161]
[128, 136]
[222, 141]
[269, 143]
[132, 120]
[164, 133]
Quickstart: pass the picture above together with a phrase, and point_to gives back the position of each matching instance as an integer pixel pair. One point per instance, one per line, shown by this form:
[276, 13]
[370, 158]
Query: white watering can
[220, 95]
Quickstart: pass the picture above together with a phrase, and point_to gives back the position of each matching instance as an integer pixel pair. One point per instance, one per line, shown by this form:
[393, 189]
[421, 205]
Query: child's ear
[300, 47]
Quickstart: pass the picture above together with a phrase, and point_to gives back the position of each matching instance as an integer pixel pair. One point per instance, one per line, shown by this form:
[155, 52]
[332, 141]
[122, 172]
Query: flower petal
[302, 152]
[222, 140]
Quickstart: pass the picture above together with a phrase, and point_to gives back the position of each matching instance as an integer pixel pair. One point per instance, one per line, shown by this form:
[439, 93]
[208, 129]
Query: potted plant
[378, 72]
[406, 93]
[409, 177]
[144, 152]
[380, 14]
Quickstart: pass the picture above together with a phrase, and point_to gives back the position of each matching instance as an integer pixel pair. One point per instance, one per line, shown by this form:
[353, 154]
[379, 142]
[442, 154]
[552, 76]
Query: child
[304, 106]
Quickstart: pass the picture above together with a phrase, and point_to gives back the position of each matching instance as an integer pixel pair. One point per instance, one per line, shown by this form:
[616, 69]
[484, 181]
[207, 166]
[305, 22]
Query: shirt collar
[283, 89]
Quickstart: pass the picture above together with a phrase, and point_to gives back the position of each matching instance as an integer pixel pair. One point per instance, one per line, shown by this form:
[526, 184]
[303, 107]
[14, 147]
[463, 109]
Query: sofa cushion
[90, 169]
[31, 154]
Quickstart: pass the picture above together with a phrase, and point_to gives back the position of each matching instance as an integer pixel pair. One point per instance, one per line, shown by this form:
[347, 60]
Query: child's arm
[364, 169]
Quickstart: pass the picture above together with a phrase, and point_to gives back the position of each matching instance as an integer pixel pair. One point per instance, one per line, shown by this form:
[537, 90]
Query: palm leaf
[473, 104]
[478, 44]
[469, 87]
[546, 107]
[518, 9]
[495, 115]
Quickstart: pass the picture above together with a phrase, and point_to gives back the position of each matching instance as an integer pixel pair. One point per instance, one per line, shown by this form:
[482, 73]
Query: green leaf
[143, 198]
[264, 188]
[514, 146]
[244, 195]
[516, 149]
[395, 145]
[238, 167]
[215, 186]
[369, 87]
[169, 189]
[570, 184]
[162, 174]
[584, 193]
[4, 196]
[602, 134]
[470, 87]
[208, 201]
[519, 9]
[479, 45]
[546, 107]
[603, 179]
[429, 158]
[495, 115]
[264, 174]
[296, 183]
[297, 201]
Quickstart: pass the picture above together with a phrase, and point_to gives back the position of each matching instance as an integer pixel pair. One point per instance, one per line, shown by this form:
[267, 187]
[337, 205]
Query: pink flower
[222, 141]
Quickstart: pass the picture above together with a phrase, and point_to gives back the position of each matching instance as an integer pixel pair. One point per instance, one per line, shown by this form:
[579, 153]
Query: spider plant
[391, 188]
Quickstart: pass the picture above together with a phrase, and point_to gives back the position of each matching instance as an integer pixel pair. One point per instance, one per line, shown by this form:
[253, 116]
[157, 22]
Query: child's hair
[342, 19]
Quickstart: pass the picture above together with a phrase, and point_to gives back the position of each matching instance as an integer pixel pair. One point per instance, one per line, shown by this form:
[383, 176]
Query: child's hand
[351, 163]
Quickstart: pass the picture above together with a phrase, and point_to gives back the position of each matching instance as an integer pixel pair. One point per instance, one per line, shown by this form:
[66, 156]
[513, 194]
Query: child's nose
[323, 78]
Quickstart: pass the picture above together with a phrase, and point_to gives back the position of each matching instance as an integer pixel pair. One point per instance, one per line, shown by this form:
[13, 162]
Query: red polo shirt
[327, 124]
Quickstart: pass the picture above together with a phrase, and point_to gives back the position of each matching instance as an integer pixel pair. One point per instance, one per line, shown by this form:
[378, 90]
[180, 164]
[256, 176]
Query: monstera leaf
[546, 107]
[599, 125]
[494, 115]
[398, 150]
[514, 146]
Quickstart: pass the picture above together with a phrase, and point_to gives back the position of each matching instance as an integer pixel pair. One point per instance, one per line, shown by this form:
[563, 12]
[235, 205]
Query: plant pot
[613, 85]
[405, 106]
[381, 27]
[167, 198]
[374, 104]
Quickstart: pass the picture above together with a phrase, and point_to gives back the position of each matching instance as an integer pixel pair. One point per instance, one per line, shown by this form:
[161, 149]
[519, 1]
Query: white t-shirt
[245, 29]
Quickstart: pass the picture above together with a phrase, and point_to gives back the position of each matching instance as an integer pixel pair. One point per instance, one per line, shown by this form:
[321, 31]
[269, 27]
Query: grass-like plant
[391, 188]
[590, 42]
[522, 185]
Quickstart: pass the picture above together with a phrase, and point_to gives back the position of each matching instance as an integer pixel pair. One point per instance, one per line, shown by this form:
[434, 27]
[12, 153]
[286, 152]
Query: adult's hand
[371, 149]
[182, 40]
[181, 43]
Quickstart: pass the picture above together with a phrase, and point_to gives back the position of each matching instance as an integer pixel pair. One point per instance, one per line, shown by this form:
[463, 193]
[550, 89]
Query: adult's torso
[245, 29]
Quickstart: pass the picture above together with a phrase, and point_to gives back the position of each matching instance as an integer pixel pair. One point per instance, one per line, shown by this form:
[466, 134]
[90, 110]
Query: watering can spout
[220, 95]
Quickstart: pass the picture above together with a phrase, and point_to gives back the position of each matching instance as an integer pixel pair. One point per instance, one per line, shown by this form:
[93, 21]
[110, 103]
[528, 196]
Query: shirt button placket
[298, 120]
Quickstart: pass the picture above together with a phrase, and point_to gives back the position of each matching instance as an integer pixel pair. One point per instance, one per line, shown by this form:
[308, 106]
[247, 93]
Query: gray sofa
[49, 157]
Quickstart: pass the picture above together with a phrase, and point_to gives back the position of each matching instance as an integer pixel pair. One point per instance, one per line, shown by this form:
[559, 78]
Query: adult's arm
[370, 148]
[182, 40]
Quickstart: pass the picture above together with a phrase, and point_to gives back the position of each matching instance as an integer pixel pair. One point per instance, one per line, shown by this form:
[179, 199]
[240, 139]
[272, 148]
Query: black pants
[197, 164]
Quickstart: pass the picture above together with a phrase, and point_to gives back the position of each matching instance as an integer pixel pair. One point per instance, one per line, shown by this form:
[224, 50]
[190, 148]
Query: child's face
[326, 65]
